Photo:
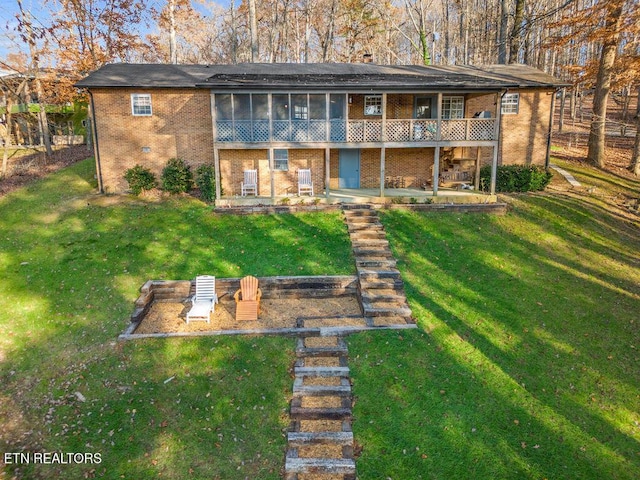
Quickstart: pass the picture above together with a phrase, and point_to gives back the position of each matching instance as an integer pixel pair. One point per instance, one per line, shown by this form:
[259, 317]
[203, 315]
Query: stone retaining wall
[495, 208]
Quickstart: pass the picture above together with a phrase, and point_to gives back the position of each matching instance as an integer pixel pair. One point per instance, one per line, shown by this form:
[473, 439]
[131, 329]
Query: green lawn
[71, 264]
[525, 364]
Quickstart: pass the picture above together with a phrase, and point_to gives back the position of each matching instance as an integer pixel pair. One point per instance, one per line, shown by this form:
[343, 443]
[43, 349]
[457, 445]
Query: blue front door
[349, 168]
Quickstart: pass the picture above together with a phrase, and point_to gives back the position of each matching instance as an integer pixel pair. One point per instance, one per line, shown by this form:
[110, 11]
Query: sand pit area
[169, 317]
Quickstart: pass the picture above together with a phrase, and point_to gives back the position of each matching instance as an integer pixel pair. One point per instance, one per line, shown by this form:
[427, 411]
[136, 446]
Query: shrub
[206, 182]
[139, 179]
[516, 178]
[177, 176]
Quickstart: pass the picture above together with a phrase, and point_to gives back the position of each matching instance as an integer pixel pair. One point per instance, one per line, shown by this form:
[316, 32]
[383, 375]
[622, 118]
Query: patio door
[349, 174]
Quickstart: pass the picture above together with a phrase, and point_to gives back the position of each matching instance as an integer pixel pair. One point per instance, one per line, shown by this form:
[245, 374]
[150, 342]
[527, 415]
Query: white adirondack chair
[305, 184]
[250, 183]
[203, 302]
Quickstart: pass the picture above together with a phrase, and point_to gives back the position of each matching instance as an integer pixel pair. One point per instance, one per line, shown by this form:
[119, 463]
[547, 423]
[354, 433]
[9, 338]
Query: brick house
[358, 127]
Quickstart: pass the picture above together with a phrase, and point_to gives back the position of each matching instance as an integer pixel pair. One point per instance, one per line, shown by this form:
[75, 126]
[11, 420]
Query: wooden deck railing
[355, 131]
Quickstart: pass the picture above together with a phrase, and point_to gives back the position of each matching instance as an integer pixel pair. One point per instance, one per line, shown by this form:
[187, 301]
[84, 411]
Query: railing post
[383, 125]
[270, 113]
[439, 120]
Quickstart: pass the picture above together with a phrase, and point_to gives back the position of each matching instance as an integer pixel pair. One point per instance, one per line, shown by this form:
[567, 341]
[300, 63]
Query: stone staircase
[320, 440]
[380, 289]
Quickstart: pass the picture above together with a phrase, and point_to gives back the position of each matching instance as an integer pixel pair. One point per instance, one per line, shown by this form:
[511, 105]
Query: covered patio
[367, 195]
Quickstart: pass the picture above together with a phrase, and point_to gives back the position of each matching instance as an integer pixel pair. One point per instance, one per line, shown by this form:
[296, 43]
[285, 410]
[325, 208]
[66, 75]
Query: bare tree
[613, 19]
[34, 72]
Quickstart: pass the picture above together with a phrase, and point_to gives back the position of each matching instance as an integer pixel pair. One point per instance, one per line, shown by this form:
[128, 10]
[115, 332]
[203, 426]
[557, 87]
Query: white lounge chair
[203, 302]
[249, 186]
[305, 183]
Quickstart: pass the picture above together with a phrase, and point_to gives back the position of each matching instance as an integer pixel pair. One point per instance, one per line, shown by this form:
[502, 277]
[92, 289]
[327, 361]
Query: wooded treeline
[592, 44]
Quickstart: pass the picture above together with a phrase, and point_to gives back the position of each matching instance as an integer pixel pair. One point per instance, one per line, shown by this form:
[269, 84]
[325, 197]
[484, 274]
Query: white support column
[216, 167]
[436, 170]
[216, 151]
[327, 171]
[382, 170]
[271, 175]
[436, 153]
[494, 170]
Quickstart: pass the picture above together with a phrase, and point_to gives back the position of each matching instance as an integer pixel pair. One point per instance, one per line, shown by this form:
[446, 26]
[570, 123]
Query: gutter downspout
[96, 150]
[547, 158]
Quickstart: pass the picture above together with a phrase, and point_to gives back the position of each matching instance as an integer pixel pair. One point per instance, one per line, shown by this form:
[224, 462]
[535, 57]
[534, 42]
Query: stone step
[370, 310]
[391, 320]
[360, 212]
[369, 243]
[359, 226]
[321, 390]
[378, 251]
[372, 262]
[328, 413]
[342, 466]
[322, 352]
[364, 235]
[321, 371]
[300, 439]
[383, 295]
[381, 284]
[374, 274]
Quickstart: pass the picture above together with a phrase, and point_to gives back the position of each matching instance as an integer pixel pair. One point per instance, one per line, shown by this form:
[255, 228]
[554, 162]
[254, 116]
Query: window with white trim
[373, 105]
[452, 108]
[510, 103]
[141, 104]
[280, 159]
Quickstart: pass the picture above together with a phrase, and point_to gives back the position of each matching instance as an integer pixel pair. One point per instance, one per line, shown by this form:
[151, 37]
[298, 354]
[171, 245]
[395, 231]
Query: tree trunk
[6, 137]
[502, 35]
[43, 121]
[515, 39]
[234, 34]
[253, 25]
[563, 102]
[635, 155]
[173, 49]
[595, 156]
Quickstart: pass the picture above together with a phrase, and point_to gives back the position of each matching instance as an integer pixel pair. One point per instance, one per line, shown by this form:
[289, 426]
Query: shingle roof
[324, 76]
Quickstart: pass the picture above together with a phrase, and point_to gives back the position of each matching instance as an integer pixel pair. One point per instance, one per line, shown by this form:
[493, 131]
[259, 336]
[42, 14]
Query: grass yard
[525, 365]
[71, 264]
[527, 362]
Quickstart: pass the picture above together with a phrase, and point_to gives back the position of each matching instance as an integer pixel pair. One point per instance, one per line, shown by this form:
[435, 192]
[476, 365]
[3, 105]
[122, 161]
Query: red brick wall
[234, 162]
[414, 164]
[479, 103]
[524, 135]
[179, 127]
